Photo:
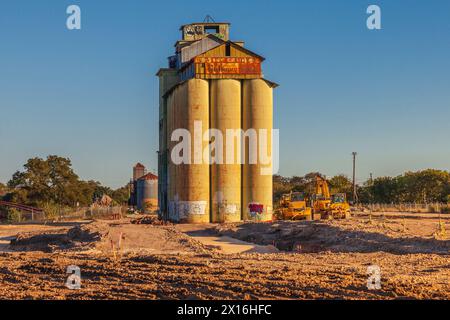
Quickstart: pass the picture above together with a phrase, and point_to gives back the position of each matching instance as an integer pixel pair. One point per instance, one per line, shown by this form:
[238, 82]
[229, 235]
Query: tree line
[52, 181]
[425, 186]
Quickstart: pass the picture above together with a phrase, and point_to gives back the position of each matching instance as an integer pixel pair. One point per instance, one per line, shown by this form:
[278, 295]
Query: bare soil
[281, 260]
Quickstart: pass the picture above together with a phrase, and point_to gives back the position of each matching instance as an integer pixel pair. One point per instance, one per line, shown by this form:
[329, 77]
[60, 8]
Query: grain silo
[192, 200]
[217, 84]
[147, 193]
[226, 176]
[168, 211]
[139, 171]
[257, 115]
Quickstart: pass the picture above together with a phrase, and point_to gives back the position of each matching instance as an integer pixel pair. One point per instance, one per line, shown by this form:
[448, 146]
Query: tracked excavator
[329, 206]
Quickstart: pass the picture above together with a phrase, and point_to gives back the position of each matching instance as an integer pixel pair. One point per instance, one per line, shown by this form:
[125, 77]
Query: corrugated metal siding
[188, 72]
[151, 189]
[216, 52]
[139, 194]
[197, 48]
[146, 190]
[197, 70]
[235, 52]
[221, 51]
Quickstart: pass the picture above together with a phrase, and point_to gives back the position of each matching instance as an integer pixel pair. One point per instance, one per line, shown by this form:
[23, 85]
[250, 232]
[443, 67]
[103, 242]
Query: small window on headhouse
[212, 29]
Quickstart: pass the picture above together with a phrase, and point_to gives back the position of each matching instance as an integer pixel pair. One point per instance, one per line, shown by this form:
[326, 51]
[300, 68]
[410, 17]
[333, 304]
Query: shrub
[14, 215]
[51, 210]
[445, 209]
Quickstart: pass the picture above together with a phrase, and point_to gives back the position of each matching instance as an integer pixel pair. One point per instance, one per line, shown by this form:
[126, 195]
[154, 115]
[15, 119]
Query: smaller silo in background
[147, 193]
[138, 171]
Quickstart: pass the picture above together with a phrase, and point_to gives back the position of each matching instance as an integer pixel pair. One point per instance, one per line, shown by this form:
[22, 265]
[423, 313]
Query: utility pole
[355, 195]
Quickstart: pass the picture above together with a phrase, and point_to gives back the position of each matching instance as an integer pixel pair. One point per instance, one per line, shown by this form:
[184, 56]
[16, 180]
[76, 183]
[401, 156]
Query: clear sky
[92, 95]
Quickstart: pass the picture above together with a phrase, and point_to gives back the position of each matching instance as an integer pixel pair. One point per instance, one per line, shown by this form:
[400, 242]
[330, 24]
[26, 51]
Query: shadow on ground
[311, 237]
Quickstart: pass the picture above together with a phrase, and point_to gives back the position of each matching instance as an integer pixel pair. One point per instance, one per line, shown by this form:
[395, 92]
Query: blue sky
[92, 95]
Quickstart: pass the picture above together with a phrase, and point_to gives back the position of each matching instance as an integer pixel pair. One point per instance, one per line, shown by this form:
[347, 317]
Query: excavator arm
[322, 187]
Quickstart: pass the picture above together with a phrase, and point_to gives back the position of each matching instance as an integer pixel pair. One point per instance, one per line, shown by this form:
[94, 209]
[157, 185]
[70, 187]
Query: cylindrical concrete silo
[179, 122]
[170, 166]
[193, 179]
[257, 113]
[225, 115]
[150, 193]
[140, 194]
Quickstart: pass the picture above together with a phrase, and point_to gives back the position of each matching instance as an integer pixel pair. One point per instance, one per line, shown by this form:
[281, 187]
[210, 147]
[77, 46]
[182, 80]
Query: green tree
[341, 184]
[422, 187]
[281, 185]
[46, 181]
[385, 190]
[3, 190]
[121, 195]
[365, 192]
[52, 183]
[298, 184]
[14, 216]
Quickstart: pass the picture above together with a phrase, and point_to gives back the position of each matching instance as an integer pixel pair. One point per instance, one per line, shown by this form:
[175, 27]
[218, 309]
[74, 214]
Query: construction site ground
[146, 259]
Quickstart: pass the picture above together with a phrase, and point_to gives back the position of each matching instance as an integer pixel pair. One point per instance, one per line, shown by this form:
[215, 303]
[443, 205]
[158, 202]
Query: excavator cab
[297, 196]
[339, 198]
[339, 207]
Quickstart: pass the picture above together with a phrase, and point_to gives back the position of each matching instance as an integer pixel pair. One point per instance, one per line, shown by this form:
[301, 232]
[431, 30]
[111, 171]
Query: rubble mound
[152, 220]
[144, 235]
[80, 236]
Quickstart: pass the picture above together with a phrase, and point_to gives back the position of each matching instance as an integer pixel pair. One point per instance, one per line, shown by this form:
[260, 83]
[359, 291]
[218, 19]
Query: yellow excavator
[293, 206]
[323, 205]
[329, 207]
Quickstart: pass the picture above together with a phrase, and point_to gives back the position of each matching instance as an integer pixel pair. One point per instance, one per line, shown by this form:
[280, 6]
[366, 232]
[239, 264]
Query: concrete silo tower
[217, 85]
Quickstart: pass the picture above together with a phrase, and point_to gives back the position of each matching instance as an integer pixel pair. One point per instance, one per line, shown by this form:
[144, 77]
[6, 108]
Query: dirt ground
[279, 260]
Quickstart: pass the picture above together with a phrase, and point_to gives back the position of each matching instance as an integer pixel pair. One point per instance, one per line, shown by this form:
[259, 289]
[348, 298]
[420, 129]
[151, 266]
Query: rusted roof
[162, 70]
[149, 176]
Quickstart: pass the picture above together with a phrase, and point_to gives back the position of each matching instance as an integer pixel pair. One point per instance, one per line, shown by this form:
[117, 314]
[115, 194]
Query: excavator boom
[328, 206]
